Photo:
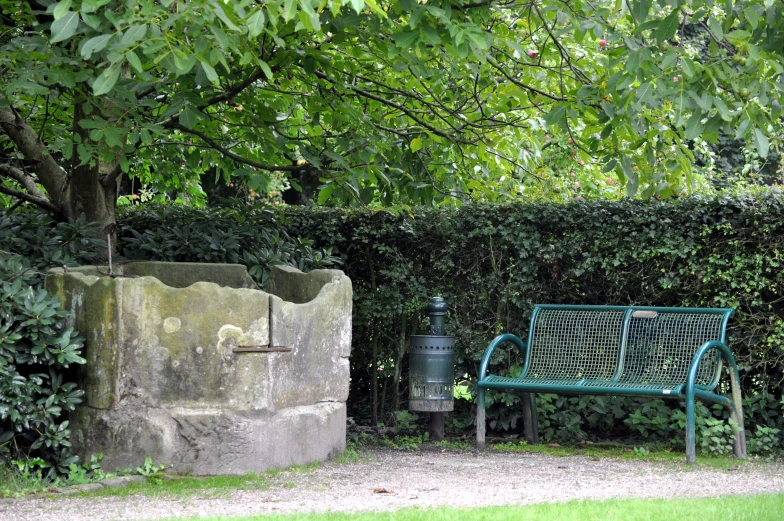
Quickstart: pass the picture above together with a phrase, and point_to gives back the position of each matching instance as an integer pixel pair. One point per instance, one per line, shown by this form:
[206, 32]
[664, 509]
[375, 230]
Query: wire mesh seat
[622, 350]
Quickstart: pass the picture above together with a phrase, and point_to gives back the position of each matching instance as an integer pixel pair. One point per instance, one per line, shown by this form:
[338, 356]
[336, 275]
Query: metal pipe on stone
[432, 370]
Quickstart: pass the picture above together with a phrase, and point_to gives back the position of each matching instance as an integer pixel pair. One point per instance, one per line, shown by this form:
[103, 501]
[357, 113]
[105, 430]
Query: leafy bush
[492, 263]
[184, 234]
[37, 348]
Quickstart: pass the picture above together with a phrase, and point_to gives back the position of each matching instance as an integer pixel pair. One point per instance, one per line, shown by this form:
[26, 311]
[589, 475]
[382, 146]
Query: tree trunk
[91, 189]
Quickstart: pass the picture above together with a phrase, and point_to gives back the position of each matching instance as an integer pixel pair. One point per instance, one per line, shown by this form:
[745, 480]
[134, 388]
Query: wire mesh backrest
[660, 348]
[573, 344]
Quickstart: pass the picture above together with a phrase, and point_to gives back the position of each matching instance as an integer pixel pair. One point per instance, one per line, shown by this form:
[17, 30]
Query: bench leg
[691, 434]
[530, 419]
[480, 420]
[739, 445]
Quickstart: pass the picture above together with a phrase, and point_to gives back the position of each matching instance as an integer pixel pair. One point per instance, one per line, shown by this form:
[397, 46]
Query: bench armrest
[735, 404]
[497, 341]
[694, 366]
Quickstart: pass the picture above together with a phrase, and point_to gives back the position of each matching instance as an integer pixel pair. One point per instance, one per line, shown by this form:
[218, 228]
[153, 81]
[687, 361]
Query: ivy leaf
[106, 80]
[65, 27]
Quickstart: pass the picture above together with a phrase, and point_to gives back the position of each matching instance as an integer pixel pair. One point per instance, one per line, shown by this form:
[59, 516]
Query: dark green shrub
[492, 263]
[37, 348]
[185, 234]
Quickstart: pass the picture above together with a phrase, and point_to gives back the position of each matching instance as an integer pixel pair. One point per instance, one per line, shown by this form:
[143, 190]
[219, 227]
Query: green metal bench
[620, 350]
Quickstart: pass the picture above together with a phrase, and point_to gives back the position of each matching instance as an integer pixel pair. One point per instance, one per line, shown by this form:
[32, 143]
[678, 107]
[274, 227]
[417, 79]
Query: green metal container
[432, 365]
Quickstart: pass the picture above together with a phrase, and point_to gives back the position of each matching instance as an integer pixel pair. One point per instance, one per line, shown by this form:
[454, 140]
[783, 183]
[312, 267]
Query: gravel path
[426, 479]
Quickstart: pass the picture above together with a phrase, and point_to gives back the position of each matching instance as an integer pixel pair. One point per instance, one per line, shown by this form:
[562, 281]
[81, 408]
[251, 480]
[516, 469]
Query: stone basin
[191, 365]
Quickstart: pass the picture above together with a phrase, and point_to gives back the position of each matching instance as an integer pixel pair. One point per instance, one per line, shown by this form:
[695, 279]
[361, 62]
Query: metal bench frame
[664, 352]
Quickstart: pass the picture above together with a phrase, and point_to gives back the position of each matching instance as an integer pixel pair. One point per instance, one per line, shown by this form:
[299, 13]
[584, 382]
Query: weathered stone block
[164, 378]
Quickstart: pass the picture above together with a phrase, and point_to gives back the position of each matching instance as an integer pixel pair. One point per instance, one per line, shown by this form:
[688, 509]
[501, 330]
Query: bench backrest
[636, 345]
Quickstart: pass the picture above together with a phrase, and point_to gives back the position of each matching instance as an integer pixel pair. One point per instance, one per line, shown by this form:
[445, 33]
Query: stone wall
[169, 375]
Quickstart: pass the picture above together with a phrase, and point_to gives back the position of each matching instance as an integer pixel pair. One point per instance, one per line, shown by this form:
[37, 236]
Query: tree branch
[228, 153]
[43, 203]
[30, 145]
[23, 179]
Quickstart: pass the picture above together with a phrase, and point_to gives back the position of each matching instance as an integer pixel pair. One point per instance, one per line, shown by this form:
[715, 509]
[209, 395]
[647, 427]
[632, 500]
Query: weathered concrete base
[213, 442]
[187, 364]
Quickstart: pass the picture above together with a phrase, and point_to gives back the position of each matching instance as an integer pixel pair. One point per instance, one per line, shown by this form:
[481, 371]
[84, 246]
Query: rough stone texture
[162, 379]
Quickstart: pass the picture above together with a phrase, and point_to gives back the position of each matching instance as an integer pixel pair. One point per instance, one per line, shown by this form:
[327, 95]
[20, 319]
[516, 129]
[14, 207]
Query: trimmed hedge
[492, 263]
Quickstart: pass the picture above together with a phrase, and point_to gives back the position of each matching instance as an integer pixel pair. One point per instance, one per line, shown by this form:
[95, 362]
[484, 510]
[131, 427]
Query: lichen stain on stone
[228, 338]
[172, 325]
[231, 336]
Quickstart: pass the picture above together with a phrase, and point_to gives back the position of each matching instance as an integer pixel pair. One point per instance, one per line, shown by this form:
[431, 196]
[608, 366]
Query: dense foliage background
[37, 347]
[492, 263]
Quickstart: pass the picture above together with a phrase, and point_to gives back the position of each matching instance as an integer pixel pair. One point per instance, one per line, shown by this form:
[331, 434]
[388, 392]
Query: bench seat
[621, 350]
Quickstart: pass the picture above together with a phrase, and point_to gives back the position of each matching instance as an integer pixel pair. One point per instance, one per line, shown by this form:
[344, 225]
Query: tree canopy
[375, 102]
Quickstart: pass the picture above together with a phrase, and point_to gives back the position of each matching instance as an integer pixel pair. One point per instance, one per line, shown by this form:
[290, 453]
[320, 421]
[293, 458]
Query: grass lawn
[726, 508]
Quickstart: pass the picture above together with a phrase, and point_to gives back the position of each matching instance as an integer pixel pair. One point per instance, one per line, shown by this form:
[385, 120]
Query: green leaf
[289, 9]
[95, 44]
[668, 27]
[266, 69]
[694, 126]
[134, 60]
[762, 143]
[724, 111]
[406, 39]
[633, 62]
[743, 128]
[640, 10]
[256, 23]
[188, 117]
[106, 80]
[224, 18]
[416, 144]
[358, 5]
[556, 115]
[133, 34]
[209, 71]
[309, 64]
[715, 28]
[645, 93]
[688, 67]
[325, 194]
[61, 9]
[738, 38]
[65, 27]
[632, 181]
